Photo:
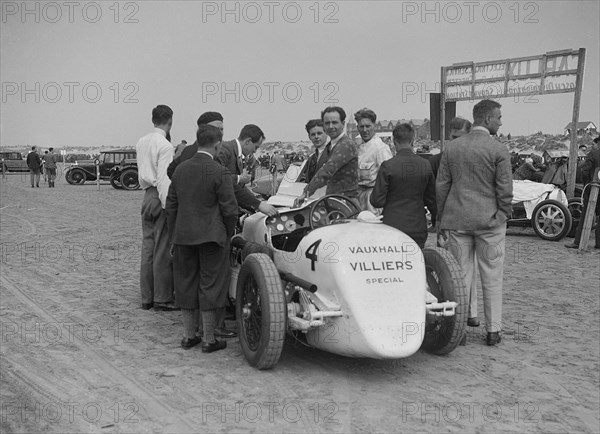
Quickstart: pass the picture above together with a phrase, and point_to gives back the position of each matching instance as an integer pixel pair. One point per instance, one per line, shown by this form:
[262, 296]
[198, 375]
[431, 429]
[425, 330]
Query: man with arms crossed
[372, 152]
[154, 154]
[474, 194]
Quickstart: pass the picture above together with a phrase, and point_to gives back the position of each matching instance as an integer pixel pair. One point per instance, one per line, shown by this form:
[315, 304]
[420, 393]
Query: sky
[78, 73]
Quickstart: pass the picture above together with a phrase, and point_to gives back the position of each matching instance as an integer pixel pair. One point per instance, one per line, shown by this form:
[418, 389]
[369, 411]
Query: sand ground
[79, 355]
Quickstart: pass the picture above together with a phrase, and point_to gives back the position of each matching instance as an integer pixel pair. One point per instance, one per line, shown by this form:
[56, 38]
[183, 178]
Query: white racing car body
[350, 287]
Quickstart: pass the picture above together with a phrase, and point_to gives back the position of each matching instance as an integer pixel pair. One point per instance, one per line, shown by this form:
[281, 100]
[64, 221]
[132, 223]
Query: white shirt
[154, 154]
[336, 140]
[370, 156]
[207, 153]
[240, 156]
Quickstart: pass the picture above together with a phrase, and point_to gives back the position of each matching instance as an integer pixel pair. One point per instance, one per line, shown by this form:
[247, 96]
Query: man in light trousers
[474, 194]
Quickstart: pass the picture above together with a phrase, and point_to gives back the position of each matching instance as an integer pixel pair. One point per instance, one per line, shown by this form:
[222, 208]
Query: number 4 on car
[342, 283]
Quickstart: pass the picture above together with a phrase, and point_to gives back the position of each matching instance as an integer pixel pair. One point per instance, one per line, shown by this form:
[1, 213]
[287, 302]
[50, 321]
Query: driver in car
[340, 172]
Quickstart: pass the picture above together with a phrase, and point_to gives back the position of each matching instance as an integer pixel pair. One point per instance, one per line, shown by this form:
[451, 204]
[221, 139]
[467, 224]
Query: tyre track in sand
[169, 418]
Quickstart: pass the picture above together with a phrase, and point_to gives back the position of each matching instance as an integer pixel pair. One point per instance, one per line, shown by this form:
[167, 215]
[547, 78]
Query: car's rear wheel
[260, 311]
[75, 176]
[129, 179]
[551, 220]
[445, 282]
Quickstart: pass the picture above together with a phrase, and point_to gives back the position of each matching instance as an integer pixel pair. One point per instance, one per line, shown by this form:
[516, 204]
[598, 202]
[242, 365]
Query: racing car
[344, 282]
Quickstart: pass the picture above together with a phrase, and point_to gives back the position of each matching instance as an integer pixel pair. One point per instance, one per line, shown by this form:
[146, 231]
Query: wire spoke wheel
[261, 311]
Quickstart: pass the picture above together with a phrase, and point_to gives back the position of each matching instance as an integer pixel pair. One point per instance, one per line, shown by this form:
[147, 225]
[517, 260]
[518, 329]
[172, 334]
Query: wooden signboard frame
[504, 73]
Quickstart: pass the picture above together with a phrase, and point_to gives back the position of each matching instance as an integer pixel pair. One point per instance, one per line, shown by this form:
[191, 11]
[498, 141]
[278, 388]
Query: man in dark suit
[404, 187]
[589, 167]
[34, 163]
[340, 171]
[320, 140]
[208, 118]
[474, 194]
[232, 155]
[201, 215]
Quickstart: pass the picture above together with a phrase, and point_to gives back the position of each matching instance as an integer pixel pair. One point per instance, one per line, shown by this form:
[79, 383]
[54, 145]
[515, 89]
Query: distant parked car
[12, 162]
[125, 175]
[116, 166]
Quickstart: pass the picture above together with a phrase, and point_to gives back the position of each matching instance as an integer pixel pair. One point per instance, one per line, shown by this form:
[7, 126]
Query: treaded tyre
[551, 220]
[445, 282]
[252, 247]
[75, 176]
[260, 311]
[129, 179]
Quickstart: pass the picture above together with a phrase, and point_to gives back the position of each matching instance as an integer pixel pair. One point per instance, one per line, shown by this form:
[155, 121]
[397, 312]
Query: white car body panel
[383, 301]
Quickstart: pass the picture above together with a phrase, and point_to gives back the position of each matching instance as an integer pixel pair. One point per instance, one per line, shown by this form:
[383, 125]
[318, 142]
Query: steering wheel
[330, 208]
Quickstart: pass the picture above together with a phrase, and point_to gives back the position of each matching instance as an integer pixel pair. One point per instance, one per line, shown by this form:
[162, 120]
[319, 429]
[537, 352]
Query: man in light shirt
[154, 154]
[371, 153]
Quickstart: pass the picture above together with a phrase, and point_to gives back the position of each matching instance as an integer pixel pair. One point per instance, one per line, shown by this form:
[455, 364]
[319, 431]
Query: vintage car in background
[545, 208]
[12, 162]
[117, 166]
[125, 175]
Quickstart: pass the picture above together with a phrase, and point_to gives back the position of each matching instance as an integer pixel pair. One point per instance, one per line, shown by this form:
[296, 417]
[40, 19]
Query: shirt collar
[204, 152]
[480, 128]
[160, 131]
[336, 140]
[239, 146]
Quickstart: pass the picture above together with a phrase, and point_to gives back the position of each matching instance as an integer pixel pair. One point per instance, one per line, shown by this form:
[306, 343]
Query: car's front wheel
[75, 176]
[129, 179]
[116, 182]
[260, 311]
[445, 282]
[551, 220]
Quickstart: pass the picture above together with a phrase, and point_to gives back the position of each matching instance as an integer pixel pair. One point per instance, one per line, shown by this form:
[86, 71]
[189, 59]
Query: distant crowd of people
[193, 195]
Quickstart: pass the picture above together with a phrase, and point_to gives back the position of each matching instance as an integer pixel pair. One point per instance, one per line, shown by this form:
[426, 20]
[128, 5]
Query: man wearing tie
[340, 171]
[232, 155]
[320, 140]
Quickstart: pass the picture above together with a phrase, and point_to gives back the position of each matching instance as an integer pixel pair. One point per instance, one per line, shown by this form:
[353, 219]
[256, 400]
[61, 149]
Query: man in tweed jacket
[340, 172]
[474, 194]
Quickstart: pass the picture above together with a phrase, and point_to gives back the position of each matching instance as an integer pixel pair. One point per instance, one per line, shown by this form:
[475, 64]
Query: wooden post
[576, 101]
[97, 172]
[589, 216]
[4, 169]
[442, 108]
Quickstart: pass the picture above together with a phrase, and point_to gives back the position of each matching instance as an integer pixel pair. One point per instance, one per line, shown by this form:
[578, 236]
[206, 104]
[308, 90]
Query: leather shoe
[147, 306]
[572, 246]
[224, 333]
[473, 322]
[165, 306]
[186, 343]
[215, 346]
[493, 338]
